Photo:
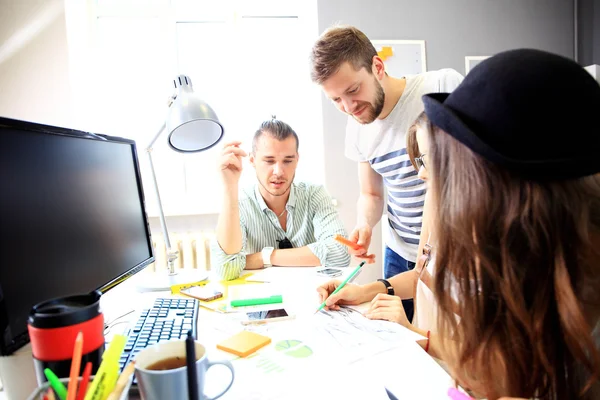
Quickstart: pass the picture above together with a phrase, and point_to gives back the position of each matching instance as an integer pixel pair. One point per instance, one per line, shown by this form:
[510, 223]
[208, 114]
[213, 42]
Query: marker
[455, 394]
[259, 301]
[356, 271]
[346, 242]
[108, 372]
[56, 384]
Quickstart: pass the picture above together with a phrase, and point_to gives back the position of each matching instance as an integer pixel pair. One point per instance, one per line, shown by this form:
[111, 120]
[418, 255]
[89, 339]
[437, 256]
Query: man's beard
[278, 194]
[373, 110]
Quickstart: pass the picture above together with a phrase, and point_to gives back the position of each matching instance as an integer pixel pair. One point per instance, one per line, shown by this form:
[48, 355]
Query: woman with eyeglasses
[416, 284]
[513, 168]
[517, 226]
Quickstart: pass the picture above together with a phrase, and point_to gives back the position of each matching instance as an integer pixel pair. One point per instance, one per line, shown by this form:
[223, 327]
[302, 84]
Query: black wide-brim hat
[530, 111]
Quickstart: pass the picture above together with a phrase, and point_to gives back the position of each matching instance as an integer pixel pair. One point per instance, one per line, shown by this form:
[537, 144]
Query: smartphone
[329, 272]
[261, 317]
[203, 293]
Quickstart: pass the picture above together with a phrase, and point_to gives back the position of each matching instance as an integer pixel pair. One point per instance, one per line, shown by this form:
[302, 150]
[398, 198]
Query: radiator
[193, 247]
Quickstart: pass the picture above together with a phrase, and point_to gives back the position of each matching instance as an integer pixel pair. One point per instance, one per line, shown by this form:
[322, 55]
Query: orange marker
[347, 242]
[75, 367]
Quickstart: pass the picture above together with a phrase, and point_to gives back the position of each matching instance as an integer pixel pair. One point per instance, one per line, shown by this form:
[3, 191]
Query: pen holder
[38, 394]
[53, 326]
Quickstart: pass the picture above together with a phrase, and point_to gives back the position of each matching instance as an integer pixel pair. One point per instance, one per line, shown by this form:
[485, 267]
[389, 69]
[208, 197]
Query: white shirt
[382, 143]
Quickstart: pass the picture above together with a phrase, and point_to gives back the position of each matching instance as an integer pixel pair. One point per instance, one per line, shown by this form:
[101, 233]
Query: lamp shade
[192, 124]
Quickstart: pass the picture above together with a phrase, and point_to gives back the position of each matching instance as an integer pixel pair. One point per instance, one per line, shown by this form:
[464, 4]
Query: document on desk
[355, 336]
[282, 370]
[409, 373]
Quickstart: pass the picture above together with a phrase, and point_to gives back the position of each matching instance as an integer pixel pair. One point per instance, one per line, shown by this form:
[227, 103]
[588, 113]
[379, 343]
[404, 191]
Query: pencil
[87, 371]
[347, 242]
[342, 285]
[122, 381]
[75, 367]
[50, 394]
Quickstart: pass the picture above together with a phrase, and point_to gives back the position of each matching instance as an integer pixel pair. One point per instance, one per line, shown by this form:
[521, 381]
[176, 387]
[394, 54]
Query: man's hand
[230, 163]
[350, 294]
[387, 307]
[361, 235]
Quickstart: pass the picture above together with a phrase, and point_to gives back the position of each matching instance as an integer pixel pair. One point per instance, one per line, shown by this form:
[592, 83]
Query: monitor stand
[162, 281]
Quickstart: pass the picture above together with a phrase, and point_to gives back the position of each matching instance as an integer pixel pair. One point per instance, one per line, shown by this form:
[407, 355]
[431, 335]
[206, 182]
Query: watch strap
[266, 256]
[388, 286]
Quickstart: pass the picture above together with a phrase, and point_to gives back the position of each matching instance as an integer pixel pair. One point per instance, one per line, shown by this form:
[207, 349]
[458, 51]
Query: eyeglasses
[285, 244]
[420, 161]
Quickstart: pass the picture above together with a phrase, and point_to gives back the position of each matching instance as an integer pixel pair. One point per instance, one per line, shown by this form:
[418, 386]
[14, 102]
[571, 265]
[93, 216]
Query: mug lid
[65, 311]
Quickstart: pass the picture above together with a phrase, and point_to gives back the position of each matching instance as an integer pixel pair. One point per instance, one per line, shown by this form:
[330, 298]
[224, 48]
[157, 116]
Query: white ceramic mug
[172, 383]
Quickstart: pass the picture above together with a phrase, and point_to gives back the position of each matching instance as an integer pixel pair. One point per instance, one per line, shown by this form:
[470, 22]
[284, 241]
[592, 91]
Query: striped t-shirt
[382, 143]
[312, 221]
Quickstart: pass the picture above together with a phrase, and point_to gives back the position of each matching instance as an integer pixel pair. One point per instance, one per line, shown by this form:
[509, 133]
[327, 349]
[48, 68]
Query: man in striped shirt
[275, 221]
[381, 108]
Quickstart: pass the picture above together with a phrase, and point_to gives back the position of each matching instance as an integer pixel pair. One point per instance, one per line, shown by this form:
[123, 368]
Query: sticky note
[385, 53]
[244, 343]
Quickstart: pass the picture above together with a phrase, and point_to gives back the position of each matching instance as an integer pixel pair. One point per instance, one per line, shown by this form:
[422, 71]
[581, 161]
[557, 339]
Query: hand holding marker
[341, 286]
[369, 258]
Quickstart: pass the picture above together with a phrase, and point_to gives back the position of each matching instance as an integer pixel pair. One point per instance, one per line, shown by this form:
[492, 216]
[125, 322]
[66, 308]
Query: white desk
[406, 370]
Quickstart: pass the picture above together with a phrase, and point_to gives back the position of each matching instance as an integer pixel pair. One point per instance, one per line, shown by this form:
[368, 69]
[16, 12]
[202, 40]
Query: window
[247, 59]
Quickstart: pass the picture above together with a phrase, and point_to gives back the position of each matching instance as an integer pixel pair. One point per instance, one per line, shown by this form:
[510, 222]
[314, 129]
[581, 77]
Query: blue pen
[348, 279]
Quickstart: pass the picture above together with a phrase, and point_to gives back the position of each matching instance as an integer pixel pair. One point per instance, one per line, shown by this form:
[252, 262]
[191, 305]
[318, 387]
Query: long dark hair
[523, 260]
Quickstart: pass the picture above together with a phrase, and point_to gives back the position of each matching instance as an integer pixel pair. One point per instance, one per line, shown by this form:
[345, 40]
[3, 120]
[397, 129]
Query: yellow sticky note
[385, 52]
[244, 343]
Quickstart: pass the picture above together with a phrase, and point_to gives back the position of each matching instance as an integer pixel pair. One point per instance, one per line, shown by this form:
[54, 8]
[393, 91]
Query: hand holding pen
[334, 293]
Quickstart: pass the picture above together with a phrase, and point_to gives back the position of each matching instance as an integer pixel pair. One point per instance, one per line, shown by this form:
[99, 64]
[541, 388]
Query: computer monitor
[72, 218]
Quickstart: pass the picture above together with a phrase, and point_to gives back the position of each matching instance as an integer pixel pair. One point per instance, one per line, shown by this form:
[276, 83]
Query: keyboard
[168, 319]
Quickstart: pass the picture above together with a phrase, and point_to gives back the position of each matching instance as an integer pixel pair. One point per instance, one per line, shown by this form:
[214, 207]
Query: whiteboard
[472, 61]
[402, 57]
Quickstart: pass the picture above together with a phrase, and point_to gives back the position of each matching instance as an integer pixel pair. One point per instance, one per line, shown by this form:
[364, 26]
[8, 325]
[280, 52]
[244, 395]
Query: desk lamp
[193, 127]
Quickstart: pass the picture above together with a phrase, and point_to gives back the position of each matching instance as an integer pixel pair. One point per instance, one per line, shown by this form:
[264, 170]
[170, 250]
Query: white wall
[34, 62]
[452, 30]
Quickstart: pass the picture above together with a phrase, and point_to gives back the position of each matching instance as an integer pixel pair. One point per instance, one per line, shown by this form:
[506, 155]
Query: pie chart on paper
[293, 348]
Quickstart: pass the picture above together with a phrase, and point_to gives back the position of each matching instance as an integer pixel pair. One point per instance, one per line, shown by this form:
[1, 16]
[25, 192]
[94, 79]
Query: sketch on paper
[357, 336]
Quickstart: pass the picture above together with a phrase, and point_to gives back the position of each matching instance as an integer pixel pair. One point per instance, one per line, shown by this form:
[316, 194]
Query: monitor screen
[72, 218]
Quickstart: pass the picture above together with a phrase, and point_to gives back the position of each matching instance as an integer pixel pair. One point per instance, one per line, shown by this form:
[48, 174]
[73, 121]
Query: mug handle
[228, 365]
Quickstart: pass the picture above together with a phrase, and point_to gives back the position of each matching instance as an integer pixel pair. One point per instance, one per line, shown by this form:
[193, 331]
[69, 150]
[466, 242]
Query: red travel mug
[53, 327]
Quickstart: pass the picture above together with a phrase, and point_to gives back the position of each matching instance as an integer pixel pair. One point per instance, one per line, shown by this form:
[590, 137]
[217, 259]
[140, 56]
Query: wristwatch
[266, 256]
[388, 286]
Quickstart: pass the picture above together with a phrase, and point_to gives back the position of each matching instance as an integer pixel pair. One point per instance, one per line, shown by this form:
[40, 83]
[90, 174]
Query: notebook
[244, 343]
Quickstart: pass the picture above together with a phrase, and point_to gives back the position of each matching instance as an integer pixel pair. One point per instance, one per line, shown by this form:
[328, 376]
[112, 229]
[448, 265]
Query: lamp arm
[155, 138]
[171, 255]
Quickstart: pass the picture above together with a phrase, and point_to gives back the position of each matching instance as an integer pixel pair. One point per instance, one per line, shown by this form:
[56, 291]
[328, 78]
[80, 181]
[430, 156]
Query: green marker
[342, 285]
[56, 384]
[256, 302]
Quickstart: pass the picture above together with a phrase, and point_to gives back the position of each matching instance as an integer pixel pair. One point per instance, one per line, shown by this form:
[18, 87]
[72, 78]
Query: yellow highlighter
[108, 373]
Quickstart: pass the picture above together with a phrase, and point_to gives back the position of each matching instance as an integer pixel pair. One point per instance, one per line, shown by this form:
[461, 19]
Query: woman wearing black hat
[514, 174]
